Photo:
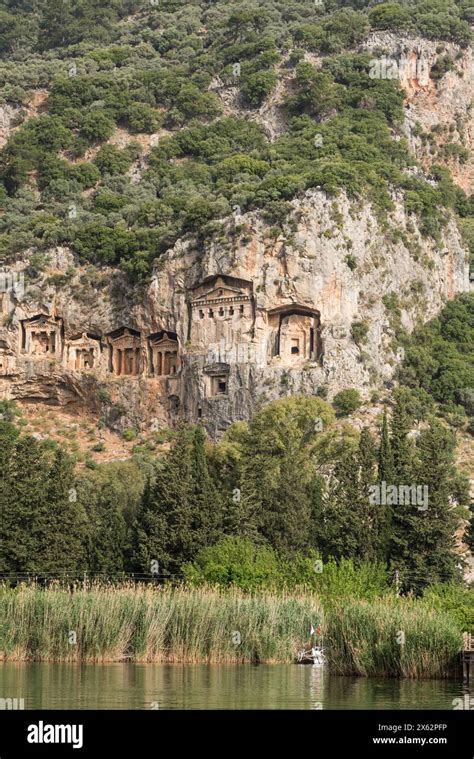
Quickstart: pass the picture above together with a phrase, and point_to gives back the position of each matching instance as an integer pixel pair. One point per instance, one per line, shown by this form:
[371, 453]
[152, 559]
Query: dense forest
[263, 484]
[62, 182]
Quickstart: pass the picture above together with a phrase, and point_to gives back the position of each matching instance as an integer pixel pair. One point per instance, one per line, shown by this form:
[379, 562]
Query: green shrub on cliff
[167, 67]
[439, 357]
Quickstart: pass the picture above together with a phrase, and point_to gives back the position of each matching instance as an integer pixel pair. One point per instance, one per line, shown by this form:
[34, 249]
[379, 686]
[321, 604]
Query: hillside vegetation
[137, 69]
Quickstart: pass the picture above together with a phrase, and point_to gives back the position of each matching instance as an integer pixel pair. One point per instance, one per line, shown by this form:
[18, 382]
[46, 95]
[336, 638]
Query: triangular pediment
[83, 340]
[165, 342]
[41, 321]
[221, 292]
[123, 333]
[126, 341]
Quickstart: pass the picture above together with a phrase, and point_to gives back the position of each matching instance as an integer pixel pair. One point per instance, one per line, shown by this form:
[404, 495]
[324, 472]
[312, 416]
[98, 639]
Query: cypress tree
[344, 521]
[347, 520]
[318, 491]
[385, 456]
[248, 502]
[206, 501]
[275, 495]
[401, 445]
[286, 510]
[173, 494]
[41, 529]
[8, 520]
[109, 533]
[60, 522]
[25, 502]
[386, 474]
[370, 513]
[423, 535]
[176, 516]
[149, 534]
[400, 515]
[436, 536]
[278, 471]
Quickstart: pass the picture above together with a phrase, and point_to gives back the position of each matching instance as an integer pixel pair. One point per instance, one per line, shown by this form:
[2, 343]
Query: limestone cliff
[315, 306]
[438, 103]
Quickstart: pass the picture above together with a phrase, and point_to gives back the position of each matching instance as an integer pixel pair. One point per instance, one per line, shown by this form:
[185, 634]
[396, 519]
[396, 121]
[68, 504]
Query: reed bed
[391, 637]
[146, 623]
[388, 637]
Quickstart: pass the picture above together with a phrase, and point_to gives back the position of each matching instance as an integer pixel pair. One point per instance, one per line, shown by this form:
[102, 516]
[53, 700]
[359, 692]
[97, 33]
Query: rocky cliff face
[316, 306]
[313, 308]
[438, 104]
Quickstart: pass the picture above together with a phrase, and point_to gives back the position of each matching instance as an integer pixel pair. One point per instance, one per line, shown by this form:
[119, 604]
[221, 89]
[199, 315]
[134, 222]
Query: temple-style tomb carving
[124, 352]
[295, 333]
[163, 354]
[41, 336]
[83, 352]
[207, 369]
[217, 379]
[221, 309]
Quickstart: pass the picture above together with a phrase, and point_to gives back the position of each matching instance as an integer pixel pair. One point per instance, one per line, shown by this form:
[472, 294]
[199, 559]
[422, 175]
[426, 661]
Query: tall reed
[389, 636]
[145, 623]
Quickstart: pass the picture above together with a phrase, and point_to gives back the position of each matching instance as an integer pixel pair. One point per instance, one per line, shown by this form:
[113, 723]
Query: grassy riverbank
[391, 637]
[385, 637]
[143, 623]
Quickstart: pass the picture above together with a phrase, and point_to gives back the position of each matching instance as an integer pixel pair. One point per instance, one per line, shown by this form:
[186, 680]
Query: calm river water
[161, 686]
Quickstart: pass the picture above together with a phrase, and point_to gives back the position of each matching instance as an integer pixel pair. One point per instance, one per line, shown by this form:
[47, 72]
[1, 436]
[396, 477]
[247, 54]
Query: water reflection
[148, 686]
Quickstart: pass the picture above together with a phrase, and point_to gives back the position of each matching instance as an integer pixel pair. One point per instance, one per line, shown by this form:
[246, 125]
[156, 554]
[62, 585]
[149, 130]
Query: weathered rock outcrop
[438, 112]
[316, 307]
